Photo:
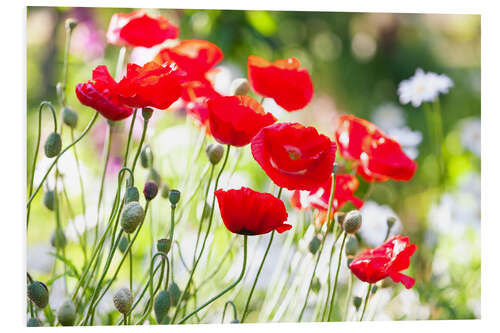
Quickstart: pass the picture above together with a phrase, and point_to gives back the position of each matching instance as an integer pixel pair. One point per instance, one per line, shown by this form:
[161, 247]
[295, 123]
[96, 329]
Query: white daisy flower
[388, 116]
[471, 135]
[423, 87]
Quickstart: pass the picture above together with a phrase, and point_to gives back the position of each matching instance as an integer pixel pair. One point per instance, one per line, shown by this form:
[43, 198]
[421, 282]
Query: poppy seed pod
[122, 246]
[164, 191]
[34, 322]
[390, 222]
[161, 306]
[53, 145]
[131, 194]
[49, 199]
[175, 293]
[314, 244]
[146, 157]
[133, 215]
[352, 222]
[316, 285]
[123, 300]
[351, 246]
[70, 23]
[38, 294]
[150, 190]
[174, 196]
[58, 239]
[70, 117]
[163, 245]
[214, 152]
[154, 176]
[356, 300]
[147, 113]
[240, 87]
[66, 314]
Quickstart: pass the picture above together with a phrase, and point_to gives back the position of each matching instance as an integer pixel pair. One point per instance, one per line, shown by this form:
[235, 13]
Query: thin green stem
[332, 301]
[348, 297]
[143, 136]
[328, 279]
[366, 301]
[235, 313]
[103, 177]
[131, 267]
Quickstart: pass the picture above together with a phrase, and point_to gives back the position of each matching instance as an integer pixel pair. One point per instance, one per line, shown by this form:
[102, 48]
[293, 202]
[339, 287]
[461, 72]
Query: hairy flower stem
[332, 301]
[366, 301]
[183, 320]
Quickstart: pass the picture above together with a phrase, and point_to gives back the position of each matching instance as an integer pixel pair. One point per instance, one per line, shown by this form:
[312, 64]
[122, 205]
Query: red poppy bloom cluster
[139, 29]
[389, 259]
[283, 80]
[247, 212]
[379, 157]
[294, 156]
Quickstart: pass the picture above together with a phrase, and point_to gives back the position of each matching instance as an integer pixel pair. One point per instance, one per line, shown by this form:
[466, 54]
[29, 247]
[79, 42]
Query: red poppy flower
[151, 85]
[294, 156]
[389, 259]
[235, 120]
[247, 212]
[378, 156]
[99, 94]
[290, 86]
[345, 186]
[195, 57]
[138, 29]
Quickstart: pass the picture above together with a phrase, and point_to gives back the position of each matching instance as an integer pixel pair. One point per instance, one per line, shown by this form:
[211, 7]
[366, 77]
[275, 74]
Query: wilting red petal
[248, 212]
[235, 120]
[294, 156]
[290, 86]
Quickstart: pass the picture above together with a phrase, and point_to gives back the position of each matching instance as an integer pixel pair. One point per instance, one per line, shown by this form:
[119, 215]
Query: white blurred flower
[374, 225]
[388, 116]
[423, 87]
[408, 139]
[80, 223]
[471, 135]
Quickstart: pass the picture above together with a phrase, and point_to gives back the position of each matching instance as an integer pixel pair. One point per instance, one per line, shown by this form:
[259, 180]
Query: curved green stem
[332, 301]
[235, 313]
[366, 301]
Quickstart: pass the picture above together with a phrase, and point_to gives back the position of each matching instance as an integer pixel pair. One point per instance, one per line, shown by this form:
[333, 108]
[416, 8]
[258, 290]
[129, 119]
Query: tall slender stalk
[332, 301]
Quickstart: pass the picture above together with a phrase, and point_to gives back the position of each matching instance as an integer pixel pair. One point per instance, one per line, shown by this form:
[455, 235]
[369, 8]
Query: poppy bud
[49, 199]
[235, 321]
[314, 244]
[316, 285]
[214, 152]
[146, 157]
[207, 208]
[349, 260]
[123, 300]
[351, 246]
[66, 314]
[352, 222]
[150, 190]
[390, 222]
[34, 322]
[58, 239]
[122, 246]
[161, 305]
[132, 216]
[70, 23]
[154, 176]
[356, 300]
[339, 217]
[163, 245]
[147, 113]
[70, 117]
[374, 289]
[53, 145]
[38, 294]
[175, 293]
[164, 191]
[240, 87]
[131, 194]
[174, 197]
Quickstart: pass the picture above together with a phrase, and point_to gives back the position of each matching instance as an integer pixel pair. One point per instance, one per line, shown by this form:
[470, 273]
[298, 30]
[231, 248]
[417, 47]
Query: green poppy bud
[163, 245]
[240, 87]
[70, 23]
[352, 222]
[391, 221]
[351, 246]
[207, 208]
[123, 300]
[131, 194]
[174, 196]
[38, 294]
[53, 145]
[175, 293]
[316, 285]
[153, 175]
[339, 217]
[165, 321]
[70, 117]
[34, 322]
[122, 246]
[133, 215]
[356, 300]
[214, 152]
[66, 313]
[58, 239]
[146, 157]
[164, 191]
[49, 198]
[374, 289]
[161, 305]
[314, 244]
[150, 190]
[349, 260]
[235, 321]
[147, 113]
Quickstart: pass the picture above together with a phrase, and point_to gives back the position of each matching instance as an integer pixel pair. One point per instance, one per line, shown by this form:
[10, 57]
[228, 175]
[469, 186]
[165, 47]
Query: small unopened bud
[356, 300]
[70, 117]
[123, 300]
[150, 190]
[352, 222]
[163, 245]
[53, 145]
[146, 157]
[131, 194]
[38, 294]
[349, 261]
[34, 322]
[154, 176]
[316, 285]
[174, 196]
[58, 239]
[175, 293]
[70, 23]
[214, 152]
[164, 191]
[374, 289]
[390, 222]
[240, 87]
[161, 306]
[123, 244]
[351, 246]
[133, 215]
[49, 198]
[339, 217]
[314, 244]
[66, 314]
[235, 321]
[147, 113]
